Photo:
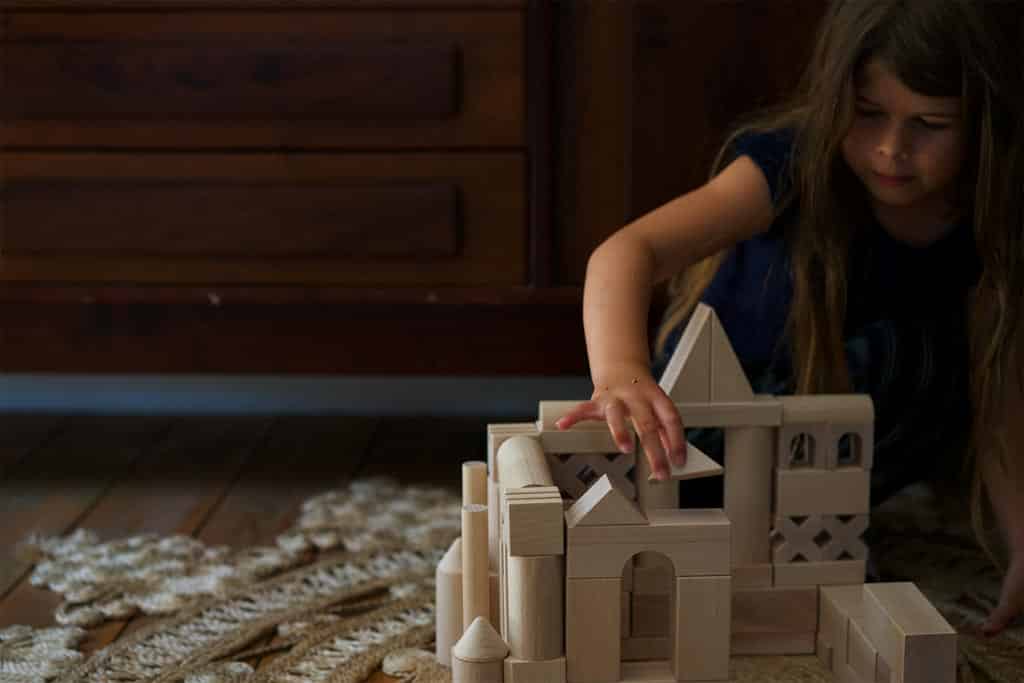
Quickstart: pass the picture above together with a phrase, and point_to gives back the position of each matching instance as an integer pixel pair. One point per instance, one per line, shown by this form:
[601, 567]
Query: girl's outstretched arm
[621, 274]
[1006, 491]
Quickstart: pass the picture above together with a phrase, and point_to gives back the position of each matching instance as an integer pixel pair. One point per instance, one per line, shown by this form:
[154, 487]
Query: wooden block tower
[591, 572]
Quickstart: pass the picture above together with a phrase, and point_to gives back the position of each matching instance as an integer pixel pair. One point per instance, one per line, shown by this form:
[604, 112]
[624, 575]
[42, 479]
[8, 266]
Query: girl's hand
[1011, 600]
[636, 396]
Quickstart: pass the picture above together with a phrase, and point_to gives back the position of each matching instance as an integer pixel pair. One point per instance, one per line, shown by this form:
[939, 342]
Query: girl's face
[907, 149]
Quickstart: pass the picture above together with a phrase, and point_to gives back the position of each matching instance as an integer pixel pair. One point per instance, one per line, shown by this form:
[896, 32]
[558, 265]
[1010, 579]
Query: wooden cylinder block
[475, 590]
[749, 461]
[474, 483]
[448, 580]
[535, 604]
[477, 672]
[521, 462]
[493, 527]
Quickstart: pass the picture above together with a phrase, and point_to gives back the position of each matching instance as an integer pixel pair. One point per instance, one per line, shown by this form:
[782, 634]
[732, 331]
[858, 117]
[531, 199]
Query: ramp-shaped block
[604, 504]
[698, 465]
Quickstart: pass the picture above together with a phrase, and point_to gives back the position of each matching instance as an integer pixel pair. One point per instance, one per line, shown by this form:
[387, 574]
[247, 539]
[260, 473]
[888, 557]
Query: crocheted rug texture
[349, 589]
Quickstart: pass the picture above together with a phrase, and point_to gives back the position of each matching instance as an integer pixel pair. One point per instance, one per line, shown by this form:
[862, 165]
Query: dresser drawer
[353, 219]
[399, 79]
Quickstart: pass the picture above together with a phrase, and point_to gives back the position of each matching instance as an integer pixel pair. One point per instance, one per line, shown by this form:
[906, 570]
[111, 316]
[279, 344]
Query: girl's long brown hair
[938, 48]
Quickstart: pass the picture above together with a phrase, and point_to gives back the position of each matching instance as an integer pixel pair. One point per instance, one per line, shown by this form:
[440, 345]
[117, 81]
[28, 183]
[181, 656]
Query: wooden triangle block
[728, 381]
[687, 377]
[698, 465]
[604, 504]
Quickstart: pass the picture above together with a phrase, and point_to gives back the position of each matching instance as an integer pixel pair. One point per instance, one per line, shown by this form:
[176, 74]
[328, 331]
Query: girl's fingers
[647, 430]
[615, 414]
[672, 426]
[587, 410]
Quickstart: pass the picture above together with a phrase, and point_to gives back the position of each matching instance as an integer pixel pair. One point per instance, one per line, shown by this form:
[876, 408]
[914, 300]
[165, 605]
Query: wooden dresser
[279, 186]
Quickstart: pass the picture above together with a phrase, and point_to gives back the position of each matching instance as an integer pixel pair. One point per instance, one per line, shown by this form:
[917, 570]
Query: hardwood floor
[234, 481]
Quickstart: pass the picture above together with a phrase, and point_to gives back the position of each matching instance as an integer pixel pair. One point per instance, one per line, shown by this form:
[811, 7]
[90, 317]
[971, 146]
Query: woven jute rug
[349, 589]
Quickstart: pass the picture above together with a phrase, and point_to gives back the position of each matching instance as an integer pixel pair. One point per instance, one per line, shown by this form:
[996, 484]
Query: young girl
[867, 237]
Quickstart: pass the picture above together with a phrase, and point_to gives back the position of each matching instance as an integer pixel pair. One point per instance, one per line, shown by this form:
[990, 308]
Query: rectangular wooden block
[663, 526]
[695, 558]
[915, 641]
[592, 640]
[645, 648]
[836, 606]
[752, 576]
[761, 412]
[773, 643]
[844, 491]
[522, 671]
[534, 526]
[578, 441]
[701, 629]
[861, 654]
[650, 614]
[841, 572]
[775, 610]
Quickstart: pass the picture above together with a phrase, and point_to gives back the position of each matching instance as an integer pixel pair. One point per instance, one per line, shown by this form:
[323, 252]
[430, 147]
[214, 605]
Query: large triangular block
[687, 377]
[604, 505]
[728, 381]
[698, 465]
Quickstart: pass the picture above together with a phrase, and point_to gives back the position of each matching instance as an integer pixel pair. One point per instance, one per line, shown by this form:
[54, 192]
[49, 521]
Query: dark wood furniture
[347, 186]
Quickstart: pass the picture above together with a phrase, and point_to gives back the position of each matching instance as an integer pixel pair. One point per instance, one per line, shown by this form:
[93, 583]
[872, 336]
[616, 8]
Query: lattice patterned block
[575, 472]
[817, 538]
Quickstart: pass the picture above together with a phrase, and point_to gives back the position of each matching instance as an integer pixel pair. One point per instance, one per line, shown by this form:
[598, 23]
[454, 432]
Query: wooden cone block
[535, 586]
[475, 590]
[448, 612]
[479, 656]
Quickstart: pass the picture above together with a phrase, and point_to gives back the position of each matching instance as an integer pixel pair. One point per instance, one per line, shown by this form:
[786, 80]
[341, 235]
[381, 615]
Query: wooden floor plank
[21, 434]
[175, 489]
[49, 491]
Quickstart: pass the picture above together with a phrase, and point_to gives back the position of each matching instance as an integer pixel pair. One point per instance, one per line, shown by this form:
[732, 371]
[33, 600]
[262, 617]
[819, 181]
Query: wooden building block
[448, 602]
[652, 494]
[522, 671]
[474, 482]
[521, 463]
[658, 671]
[749, 460]
[821, 422]
[837, 605]
[535, 602]
[493, 524]
[695, 558]
[646, 648]
[844, 491]
[625, 617]
[687, 376]
[772, 643]
[577, 440]
[604, 504]
[728, 380]
[701, 628]
[649, 613]
[752, 575]
[861, 654]
[916, 642]
[663, 526]
[698, 466]
[819, 538]
[593, 643]
[479, 655]
[824, 652]
[533, 525]
[497, 434]
[476, 599]
[762, 411]
[574, 473]
[839, 573]
[882, 672]
[774, 610]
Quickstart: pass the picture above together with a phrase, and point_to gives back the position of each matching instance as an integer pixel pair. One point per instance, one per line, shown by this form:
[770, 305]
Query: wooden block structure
[600, 576]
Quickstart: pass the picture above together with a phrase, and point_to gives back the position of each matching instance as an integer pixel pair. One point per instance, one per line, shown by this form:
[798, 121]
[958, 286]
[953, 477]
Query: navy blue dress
[905, 330]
